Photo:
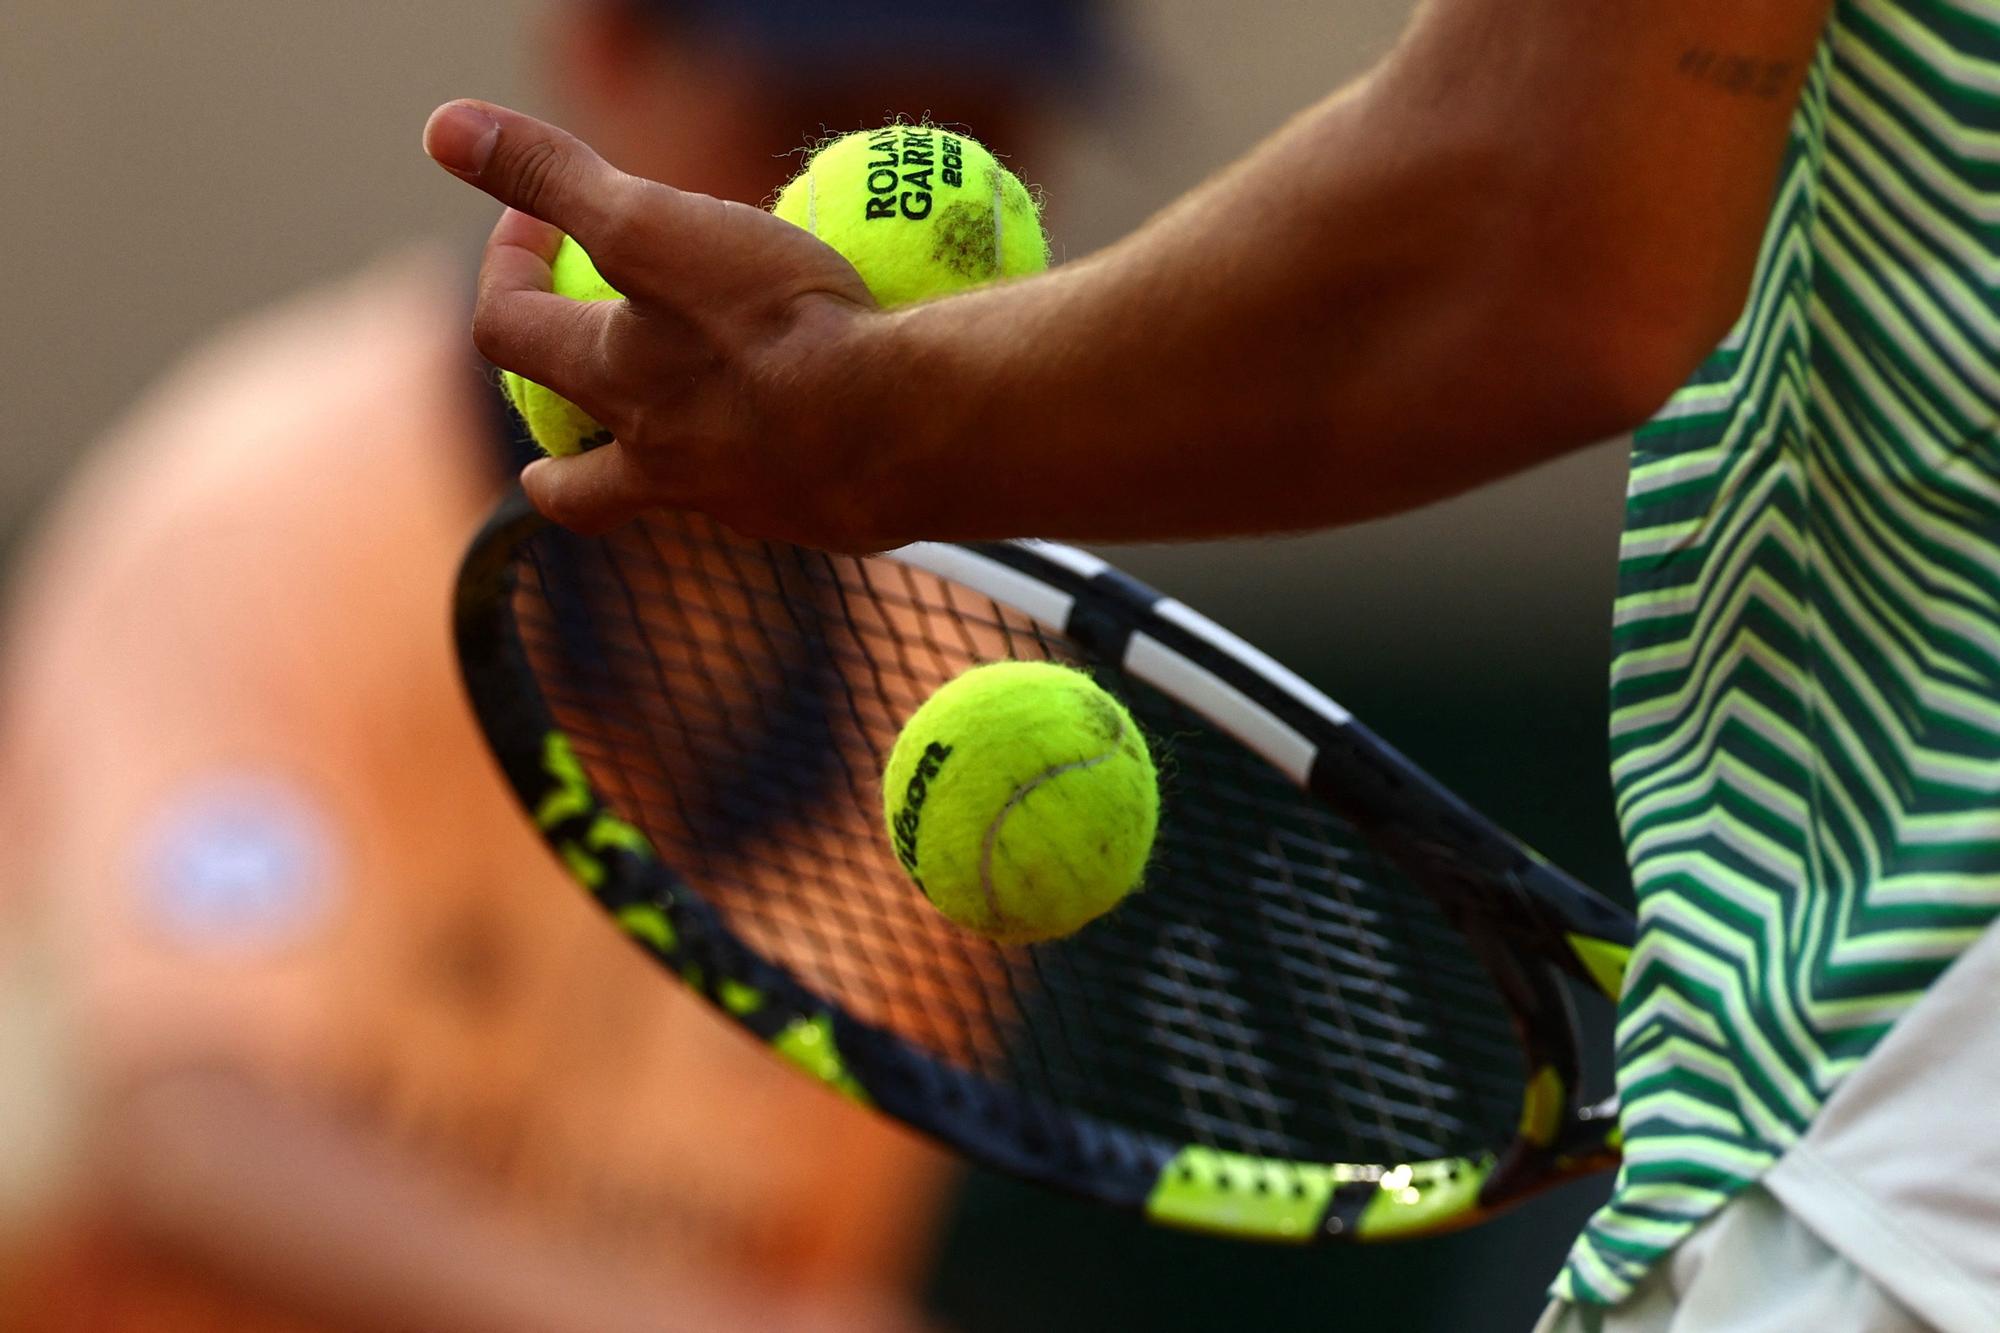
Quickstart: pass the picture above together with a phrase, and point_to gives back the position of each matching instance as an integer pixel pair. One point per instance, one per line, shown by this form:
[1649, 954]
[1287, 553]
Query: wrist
[910, 423]
[813, 407]
[911, 397]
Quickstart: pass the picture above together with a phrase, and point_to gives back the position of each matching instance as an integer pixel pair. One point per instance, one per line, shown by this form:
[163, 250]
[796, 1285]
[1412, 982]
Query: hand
[721, 374]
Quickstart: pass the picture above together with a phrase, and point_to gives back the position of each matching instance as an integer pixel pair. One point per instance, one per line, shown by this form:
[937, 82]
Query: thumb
[528, 165]
[590, 492]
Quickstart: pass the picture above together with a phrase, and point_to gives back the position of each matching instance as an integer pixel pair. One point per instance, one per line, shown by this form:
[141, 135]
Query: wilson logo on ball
[913, 802]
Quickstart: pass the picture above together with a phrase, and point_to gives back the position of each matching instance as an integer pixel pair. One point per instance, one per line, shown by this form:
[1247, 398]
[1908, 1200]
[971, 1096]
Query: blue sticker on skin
[241, 864]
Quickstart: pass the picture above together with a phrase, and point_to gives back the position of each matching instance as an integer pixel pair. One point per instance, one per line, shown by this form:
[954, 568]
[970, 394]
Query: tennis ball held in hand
[1023, 801]
[919, 210]
[558, 425]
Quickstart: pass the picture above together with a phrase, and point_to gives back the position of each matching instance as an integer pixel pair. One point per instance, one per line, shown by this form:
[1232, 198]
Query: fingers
[519, 324]
[643, 236]
[529, 165]
[532, 241]
[714, 294]
[589, 492]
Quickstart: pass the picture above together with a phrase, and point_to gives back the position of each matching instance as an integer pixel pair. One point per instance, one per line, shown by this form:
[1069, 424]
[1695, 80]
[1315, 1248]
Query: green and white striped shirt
[1806, 681]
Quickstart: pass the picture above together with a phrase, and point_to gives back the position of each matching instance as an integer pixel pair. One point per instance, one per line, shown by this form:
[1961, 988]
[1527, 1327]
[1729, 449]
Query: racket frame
[1530, 925]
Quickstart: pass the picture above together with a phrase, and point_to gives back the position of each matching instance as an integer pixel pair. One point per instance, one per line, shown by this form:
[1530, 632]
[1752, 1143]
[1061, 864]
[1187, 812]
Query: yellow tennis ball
[920, 211]
[558, 425]
[1022, 799]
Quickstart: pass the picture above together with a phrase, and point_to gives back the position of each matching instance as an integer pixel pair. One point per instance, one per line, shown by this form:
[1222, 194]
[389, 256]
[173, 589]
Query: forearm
[1214, 373]
[1475, 259]
[289, 1207]
[1515, 236]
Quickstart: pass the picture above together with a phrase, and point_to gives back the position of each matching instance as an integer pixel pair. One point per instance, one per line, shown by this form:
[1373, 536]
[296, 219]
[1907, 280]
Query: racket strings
[1275, 988]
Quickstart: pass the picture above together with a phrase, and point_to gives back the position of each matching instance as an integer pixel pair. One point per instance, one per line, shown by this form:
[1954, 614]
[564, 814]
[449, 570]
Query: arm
[286, 1206]
[246, 598]
[327, 1131]
[1513, 237]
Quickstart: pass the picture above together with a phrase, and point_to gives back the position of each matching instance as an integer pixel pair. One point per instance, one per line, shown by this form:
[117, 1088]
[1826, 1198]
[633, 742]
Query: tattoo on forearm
[1738, 75]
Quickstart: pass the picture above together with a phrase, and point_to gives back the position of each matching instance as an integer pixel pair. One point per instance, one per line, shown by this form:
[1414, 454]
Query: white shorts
[1885, 1218]
[1754, 1268]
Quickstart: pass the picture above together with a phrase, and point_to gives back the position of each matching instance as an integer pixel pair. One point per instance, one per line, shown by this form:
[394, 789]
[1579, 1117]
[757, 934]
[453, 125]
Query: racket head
[1336, 1009]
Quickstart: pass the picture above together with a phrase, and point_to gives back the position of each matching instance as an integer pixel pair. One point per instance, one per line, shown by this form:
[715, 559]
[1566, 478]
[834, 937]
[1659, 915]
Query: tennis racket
[1339, 1008]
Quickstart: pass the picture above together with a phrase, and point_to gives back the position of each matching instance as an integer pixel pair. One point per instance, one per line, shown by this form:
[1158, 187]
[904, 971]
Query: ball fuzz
[557, 424]
[920, 211]
[1022, 799]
